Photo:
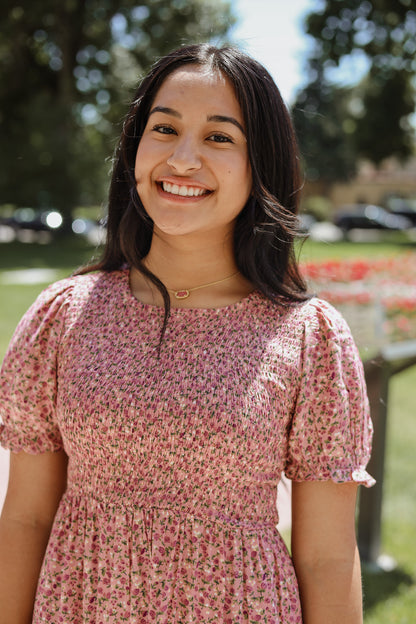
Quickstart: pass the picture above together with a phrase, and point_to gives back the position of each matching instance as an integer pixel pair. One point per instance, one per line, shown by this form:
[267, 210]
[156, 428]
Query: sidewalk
[283, 491]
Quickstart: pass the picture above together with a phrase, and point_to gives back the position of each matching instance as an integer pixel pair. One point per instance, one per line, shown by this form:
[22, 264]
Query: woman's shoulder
[311, 311]
[323, 326]
[313, 320]
[78, 287]
[62, 292]
[317, 312]
[58, 299]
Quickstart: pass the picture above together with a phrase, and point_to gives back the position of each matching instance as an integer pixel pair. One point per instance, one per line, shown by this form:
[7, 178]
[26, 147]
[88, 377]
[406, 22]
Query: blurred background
[347, 71]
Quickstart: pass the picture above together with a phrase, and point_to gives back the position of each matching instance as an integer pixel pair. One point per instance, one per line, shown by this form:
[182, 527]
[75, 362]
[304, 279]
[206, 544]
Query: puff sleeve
[330, 431]
[28, 379]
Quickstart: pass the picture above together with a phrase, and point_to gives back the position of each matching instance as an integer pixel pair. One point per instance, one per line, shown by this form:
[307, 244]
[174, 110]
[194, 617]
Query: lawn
[390, 597]
[63, 256]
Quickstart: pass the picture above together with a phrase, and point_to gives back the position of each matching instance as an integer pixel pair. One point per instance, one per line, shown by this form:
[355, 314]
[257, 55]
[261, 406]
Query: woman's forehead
[193, 72]
[200, 83]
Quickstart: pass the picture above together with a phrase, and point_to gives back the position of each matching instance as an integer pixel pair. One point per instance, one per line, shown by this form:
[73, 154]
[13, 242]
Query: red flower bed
[377, 297]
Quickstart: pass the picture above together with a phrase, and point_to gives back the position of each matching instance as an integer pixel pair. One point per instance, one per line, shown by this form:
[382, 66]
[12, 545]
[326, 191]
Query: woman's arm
[36, 484]
[325, 552]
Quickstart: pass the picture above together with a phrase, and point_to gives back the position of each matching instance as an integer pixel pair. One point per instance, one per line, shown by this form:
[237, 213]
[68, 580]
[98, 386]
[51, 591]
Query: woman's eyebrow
[166, 110]
[225, 119]
[218, 118]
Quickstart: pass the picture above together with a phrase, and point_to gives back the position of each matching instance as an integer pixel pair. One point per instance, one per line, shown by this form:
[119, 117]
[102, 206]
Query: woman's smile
[176, 189]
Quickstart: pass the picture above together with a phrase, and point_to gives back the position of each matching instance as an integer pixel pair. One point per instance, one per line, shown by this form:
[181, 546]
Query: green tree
[323, 128]
[67, 70]
[380, 34]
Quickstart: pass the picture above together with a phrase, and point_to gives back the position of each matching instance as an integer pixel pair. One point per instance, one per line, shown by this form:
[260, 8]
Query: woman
[180, 378]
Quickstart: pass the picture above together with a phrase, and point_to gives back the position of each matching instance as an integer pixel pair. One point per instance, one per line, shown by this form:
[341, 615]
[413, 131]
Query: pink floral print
[170, 510]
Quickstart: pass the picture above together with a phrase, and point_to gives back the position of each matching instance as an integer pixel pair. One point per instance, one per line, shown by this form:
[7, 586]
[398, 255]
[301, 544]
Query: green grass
[64, 253]
[390, 597]
[315, 251]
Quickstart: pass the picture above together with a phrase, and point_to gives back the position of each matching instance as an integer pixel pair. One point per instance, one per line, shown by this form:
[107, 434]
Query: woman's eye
[220, 138]
[161, 129]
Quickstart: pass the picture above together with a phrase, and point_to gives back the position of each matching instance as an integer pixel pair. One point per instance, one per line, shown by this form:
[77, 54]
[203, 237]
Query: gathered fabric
[170, 513]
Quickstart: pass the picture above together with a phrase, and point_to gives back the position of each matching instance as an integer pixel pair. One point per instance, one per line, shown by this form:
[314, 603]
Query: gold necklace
[184, 293]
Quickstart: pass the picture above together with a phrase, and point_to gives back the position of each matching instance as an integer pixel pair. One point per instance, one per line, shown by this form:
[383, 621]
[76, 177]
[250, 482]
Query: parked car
[93, 231]
[403, 208]
[363, 216]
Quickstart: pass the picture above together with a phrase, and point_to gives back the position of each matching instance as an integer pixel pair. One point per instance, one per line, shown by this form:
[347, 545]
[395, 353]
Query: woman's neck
[189, 262]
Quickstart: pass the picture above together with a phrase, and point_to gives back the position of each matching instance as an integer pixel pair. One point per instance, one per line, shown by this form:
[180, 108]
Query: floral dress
[169, 516]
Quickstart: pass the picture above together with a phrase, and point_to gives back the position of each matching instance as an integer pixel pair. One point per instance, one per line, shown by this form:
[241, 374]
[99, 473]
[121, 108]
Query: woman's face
[192, 167]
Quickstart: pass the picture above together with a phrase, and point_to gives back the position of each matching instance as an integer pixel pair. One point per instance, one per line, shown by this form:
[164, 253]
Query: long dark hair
[267, 226]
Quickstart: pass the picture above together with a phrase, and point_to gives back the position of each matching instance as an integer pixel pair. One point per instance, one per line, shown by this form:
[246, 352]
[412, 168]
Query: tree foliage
[67, 70]
[374, 119]
[324, 135]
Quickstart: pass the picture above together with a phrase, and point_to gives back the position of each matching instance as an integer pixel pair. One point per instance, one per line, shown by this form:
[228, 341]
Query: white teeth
[183, 191]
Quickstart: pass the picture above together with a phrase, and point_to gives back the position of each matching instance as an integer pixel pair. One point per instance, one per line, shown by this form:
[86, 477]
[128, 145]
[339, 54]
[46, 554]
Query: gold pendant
[181, 294]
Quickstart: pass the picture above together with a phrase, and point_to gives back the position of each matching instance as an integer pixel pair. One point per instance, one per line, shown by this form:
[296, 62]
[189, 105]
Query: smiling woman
[153, 400]
[192, 166]
[205, 112]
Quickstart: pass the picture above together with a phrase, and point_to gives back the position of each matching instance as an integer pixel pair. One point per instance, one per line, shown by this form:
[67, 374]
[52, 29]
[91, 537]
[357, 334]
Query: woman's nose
[185, 156]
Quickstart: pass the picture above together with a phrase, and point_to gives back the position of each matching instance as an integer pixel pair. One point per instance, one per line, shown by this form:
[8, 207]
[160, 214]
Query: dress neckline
[125, 272]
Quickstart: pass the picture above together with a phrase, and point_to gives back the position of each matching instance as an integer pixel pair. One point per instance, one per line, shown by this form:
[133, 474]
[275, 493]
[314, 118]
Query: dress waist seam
[184, 513]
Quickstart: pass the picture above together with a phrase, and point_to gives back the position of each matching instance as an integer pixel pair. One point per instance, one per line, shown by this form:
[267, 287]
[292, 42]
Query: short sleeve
[28, 379]
[330, 432]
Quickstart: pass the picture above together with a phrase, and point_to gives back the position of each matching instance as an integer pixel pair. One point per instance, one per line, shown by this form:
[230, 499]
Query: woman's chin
[173, 229]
